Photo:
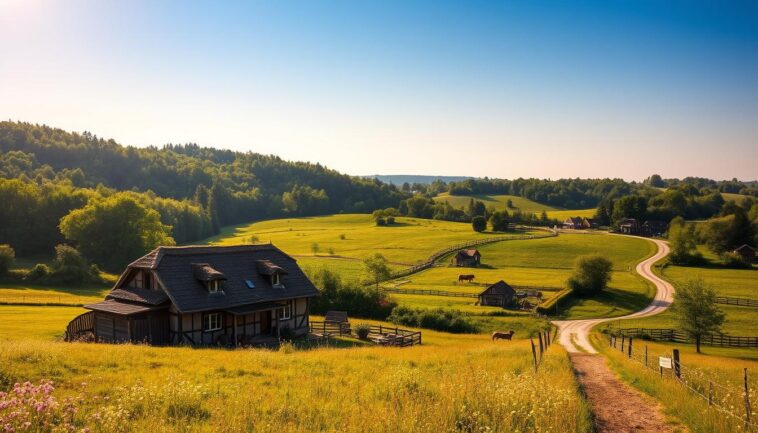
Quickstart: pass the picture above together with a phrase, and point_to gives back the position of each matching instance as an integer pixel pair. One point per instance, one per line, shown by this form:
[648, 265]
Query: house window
[285, 313]
[276, 281]
[214, 286]
[212, 322]
[138, 282]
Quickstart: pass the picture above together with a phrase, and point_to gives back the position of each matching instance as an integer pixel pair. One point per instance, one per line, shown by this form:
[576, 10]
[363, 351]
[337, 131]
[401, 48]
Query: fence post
[677, 366]
[534, 355]
[747, 402]
[610, 340]
[539, 335]
[623, 338]
[710, 393]
[646, 356]
[630, 347]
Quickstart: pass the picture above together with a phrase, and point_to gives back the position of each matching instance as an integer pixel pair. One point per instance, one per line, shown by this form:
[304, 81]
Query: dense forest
[114, 202]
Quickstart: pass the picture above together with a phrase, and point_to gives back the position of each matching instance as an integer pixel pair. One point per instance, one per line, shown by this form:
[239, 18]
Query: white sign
[664, 362]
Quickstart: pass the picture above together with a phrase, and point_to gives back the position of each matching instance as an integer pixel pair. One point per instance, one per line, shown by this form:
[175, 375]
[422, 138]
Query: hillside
[500, 201]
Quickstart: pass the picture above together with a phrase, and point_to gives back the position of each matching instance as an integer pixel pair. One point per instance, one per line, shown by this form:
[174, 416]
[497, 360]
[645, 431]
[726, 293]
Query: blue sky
[500, 89]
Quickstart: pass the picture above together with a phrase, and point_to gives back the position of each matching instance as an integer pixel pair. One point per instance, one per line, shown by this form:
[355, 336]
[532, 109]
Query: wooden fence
[430, 292]
[679, 336]
[740, 302]
[79, 325]
[380, 334]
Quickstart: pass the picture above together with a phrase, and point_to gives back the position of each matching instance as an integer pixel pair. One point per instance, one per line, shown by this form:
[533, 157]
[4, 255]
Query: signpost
[664, 362]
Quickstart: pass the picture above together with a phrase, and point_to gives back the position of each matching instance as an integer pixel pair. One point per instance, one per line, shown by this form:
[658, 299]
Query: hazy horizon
[524, 89]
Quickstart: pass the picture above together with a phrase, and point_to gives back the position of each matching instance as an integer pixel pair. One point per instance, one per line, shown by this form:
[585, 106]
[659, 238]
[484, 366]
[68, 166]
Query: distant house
[499, 294]
[654, 228]
[467, 258]
[746, 252]
[578, 223]
[629, 226]
[203, 295]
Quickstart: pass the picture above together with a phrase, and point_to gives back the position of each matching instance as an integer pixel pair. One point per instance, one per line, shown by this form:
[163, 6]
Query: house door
[265, 322]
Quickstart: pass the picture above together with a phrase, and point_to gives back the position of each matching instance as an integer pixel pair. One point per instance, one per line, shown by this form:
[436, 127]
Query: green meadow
[523, 204]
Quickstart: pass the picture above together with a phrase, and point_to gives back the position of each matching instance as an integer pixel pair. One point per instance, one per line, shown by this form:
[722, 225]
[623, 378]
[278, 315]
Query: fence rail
[380, 334]
[330, 328]
[430, 292]
[741, 302]
[679, 336]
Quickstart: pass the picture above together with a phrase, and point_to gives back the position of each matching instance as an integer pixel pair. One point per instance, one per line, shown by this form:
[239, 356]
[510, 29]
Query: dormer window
[208, 277]
[276, 281]
[274, 272]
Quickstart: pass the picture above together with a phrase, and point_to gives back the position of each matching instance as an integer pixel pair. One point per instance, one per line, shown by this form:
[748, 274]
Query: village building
[629, 226]
[499, 294]
[746, 252]
[654, 228]
[203, 295]
[467, 258]
[578, 223]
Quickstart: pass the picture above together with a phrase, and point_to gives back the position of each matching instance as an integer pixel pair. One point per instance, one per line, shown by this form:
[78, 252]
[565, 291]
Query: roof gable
[499, 288]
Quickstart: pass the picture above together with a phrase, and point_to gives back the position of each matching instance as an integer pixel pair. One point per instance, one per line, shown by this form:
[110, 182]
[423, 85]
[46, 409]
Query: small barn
[629, 226]
[467, 258]
[499, 294]
[746, 252]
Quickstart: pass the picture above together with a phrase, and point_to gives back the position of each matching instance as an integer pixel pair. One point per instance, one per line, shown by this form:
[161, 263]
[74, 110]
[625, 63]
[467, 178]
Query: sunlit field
[519, 203]
[449, 382]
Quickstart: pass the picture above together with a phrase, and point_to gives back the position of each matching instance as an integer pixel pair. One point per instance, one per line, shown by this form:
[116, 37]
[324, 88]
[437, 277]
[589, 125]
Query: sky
[501, 89]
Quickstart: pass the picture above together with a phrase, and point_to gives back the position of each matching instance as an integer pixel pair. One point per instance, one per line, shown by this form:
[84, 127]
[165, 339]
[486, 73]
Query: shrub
[591, 275]
[736, 261]
[390, 220]
[342, 236]
[551, 305]
[362, 331]
[368, 302]
[7, 257]
[479, 223]
[39, 272]
[380, 221]
[438, 319]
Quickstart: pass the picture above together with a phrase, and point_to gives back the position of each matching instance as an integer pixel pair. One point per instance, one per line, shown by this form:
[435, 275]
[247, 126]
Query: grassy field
[452, 382]
[21, 293]
[344, 240]
[543, 263]
[520, 203]
[723, 367]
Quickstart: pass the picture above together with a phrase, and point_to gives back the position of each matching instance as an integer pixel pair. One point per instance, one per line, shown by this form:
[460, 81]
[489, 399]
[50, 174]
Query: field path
[616, 406]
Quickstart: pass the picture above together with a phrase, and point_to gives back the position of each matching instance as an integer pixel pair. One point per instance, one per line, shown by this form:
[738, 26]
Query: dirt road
[574, 334]
[616, 406]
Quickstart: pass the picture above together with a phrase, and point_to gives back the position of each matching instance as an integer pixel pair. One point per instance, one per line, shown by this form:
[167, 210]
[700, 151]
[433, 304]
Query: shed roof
[499, 288]
[144, 296]
[205, 272]
[469, 252]
[122, 308]
[744, 248]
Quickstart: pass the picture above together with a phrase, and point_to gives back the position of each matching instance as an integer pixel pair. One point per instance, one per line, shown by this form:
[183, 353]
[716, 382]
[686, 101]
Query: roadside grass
[722, 366]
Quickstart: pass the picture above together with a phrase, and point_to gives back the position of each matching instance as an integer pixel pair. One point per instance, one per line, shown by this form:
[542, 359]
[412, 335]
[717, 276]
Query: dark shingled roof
[265, 267]
[133, 294]
[173, 268]
[122, 308]
[204, 272]
[499, 288]
[469, 252]
[744, 248]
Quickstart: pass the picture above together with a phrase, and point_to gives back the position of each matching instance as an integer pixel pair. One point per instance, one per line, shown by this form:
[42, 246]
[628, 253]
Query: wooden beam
[234, 331]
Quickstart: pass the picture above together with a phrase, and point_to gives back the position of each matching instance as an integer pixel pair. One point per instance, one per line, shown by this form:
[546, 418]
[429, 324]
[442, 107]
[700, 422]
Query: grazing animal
[466, 277]
[502, 335]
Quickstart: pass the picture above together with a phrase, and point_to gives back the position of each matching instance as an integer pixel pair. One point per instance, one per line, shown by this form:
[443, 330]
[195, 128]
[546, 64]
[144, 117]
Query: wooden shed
[499, 294]
[467, 258]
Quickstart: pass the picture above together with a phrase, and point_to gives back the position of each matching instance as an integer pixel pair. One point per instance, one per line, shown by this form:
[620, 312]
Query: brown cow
[466, 277]
[502, 335]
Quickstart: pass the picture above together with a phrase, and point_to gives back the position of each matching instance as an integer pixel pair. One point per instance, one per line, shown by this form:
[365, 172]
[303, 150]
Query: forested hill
[47, 173]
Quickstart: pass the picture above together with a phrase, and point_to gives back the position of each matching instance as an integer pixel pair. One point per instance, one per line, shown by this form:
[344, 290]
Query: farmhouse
[499, 294]
[467, 258]
[746, 252]
[578, 223]
[204, 295]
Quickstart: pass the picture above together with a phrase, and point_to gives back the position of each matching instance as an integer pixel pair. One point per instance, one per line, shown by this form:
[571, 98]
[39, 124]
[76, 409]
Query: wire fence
[545, 338]
[730, 396]
[680, 336]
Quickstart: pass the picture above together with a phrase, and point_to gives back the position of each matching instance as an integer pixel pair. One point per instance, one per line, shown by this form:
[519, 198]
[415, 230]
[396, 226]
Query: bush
[735, 261]
[7, 257]
[368, 302]
[591, 275]
[551, 305]
[38, 273]
[390, 220]
[380, 221]
[362, 331]
[439, 319]
[479, 223]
